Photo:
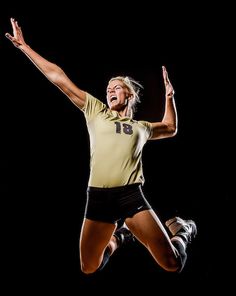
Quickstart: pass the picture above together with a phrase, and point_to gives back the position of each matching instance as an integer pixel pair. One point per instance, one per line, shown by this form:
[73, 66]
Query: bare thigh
[94, 238]
[149, 230]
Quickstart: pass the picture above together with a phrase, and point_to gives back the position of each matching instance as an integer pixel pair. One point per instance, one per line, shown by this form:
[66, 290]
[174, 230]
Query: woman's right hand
[17, 39]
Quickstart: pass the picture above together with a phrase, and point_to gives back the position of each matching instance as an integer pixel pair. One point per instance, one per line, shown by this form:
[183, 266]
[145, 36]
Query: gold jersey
[116, 145]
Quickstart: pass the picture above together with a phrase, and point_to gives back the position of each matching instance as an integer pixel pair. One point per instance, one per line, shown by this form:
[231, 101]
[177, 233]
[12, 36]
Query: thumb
[8, 36]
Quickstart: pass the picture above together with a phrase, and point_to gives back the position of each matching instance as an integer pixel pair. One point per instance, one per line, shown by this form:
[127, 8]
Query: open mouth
[113, 98]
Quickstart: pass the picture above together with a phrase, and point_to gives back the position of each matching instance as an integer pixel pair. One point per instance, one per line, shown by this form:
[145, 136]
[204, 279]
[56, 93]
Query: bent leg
[95, 238]
[149, 230]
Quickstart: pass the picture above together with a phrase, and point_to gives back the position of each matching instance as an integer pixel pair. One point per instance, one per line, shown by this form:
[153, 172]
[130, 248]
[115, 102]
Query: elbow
[172, 131]
[175, 130]
[172, 134]
[54, 74]
[171, 127]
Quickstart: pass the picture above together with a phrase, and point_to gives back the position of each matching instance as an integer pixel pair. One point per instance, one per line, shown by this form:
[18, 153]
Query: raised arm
[53, 73]
[168, 126]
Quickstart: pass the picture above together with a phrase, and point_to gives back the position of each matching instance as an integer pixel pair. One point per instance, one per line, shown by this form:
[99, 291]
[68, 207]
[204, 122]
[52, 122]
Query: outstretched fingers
[17, 37]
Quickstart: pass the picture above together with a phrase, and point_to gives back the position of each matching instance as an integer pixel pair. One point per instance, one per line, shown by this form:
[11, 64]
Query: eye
[118, 87]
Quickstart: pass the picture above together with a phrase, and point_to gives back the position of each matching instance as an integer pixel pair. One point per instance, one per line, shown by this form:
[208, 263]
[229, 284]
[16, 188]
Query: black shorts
[112, 204]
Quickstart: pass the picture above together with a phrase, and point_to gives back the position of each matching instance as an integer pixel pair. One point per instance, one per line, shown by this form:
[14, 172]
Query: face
[117, 95]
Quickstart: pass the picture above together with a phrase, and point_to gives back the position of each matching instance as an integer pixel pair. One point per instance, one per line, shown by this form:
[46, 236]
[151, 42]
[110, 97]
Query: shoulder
[145, 123]
[147, 126]
[92, 105]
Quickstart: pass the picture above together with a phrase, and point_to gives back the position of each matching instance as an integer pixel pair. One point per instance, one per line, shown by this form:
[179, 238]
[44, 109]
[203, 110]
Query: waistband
[113, 189]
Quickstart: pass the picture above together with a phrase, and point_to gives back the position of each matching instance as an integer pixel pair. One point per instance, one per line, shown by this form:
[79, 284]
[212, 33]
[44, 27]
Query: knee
[88, 268]
[176, 265]
[170, 268]
[172, 264]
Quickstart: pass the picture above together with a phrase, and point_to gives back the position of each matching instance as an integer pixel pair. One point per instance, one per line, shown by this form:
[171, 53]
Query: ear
[129, 96]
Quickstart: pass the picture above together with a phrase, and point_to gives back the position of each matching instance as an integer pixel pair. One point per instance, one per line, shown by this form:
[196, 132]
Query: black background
[45, 147]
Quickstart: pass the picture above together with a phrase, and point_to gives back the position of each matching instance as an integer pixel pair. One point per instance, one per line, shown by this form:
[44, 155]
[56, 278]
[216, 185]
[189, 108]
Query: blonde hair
[133, 86]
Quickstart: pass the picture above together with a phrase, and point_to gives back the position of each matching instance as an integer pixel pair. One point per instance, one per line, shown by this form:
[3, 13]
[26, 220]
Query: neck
[126, 112]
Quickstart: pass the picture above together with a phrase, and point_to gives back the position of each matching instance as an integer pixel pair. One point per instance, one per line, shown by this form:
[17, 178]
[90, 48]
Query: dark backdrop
[45, 147]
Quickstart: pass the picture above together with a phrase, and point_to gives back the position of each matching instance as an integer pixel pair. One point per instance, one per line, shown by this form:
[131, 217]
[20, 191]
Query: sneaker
[124, 235]
[187, 229]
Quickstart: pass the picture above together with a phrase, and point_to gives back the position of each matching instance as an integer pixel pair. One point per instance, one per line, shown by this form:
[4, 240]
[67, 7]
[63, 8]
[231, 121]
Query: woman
[114, 191]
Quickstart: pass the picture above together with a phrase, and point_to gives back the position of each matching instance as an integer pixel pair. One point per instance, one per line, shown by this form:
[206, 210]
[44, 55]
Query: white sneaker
[187, 229]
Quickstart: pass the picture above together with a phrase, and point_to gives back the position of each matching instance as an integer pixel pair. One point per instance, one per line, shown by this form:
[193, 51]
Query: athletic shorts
[114, 204]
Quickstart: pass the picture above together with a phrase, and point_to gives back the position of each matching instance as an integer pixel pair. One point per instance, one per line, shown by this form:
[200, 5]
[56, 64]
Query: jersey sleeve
[92, 107]
[148, 126]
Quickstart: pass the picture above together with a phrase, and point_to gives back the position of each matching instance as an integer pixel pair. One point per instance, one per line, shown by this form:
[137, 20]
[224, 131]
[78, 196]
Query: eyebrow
[115, 86]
